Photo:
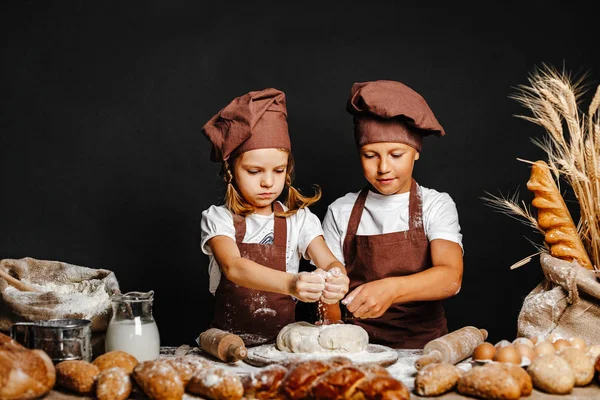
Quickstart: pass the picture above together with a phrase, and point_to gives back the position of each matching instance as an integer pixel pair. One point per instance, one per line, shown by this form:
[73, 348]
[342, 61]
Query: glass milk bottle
[132, 328]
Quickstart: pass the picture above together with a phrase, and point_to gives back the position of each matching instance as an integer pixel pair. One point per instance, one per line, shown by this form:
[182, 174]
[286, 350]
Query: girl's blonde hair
[294, 200]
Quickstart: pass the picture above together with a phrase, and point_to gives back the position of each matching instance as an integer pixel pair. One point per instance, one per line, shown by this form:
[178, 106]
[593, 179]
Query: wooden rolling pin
[452, 347]
[224, 345]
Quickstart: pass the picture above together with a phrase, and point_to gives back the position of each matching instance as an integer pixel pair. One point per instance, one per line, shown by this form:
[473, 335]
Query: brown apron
[256, 316]
[370, 258]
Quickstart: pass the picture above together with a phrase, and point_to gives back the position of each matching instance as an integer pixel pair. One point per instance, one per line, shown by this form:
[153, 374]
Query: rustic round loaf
[552, 374]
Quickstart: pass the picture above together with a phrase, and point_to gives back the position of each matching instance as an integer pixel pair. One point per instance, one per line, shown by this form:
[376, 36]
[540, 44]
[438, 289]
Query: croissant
[333, 379]
[554, 218]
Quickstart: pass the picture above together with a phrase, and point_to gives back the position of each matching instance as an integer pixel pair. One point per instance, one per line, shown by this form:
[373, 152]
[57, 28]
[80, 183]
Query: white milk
[140, 339]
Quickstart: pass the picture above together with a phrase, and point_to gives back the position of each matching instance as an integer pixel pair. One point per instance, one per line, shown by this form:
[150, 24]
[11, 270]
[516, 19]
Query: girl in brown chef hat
[253, 241]
[400, 242]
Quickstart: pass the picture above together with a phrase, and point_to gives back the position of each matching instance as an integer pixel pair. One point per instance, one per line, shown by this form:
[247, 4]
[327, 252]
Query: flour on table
[303, 337]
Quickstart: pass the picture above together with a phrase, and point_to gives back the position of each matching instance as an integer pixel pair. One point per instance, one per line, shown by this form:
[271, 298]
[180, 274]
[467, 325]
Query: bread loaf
[187, 366]
[489, 381]
[24, 374]
[264, 384]
[113, 384]
[77, 375]
[553, 217]
[582, 366]
[437, 378]
[158, 380]
[338, 383]
[335, 378]
[521, 376]
[552, 374]
[217, 384]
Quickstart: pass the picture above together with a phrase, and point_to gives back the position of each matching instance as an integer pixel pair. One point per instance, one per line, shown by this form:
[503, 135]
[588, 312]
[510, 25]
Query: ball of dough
[304, 337]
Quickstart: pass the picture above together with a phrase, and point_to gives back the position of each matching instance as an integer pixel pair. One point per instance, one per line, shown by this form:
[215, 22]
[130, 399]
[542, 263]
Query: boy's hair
[294, 200]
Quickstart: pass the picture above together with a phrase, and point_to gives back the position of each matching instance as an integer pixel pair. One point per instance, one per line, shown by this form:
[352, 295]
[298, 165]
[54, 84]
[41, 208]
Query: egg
[526, 351]
[553, 337]
[593, 352]
[523, 340]
[561, 344]
[508, 354]
[578, 343]
[485, 351]
[537, 339]
[502, 343]
[544, 347]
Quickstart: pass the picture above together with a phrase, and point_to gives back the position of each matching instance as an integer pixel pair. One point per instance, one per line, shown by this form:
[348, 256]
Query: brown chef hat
[389, 111]
[256, 120]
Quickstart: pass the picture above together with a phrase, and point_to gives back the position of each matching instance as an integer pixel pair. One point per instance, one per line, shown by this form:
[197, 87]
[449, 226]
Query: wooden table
[402, 370]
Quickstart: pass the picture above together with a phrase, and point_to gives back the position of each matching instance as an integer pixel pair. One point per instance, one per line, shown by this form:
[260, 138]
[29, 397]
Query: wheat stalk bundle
[572, 147]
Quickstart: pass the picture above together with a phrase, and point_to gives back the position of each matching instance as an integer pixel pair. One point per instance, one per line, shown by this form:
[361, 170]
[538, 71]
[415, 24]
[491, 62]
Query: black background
[103, 164]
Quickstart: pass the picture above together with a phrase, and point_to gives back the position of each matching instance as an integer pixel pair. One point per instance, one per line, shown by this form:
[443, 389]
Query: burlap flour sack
[566, 302]
[68, 291]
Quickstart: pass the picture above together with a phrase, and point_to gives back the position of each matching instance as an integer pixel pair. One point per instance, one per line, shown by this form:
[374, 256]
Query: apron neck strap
[357, 210]
[279, 229]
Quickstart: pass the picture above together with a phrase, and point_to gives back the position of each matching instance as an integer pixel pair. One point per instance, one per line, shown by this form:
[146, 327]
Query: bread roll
[376, 387]
[297, 384]
[24, 374]
[436, 378]
[217, 384]
[339, 383]
[158, 380]
[113, 384]
[521, 376]
[582, 366]
[552, 374]
[116, 358]
[77, 375]
[187, 366]
[554, 218]
[489, 381]
[264, 384]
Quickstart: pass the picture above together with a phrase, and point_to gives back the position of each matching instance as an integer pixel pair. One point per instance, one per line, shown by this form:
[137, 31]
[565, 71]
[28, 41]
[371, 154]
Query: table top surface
[403, 370]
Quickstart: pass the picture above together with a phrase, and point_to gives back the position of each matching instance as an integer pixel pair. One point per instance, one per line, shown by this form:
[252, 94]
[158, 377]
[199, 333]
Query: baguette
[554, 219]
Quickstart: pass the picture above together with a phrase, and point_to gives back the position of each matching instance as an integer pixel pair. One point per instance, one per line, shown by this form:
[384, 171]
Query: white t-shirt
[387, 214]
[302, 228]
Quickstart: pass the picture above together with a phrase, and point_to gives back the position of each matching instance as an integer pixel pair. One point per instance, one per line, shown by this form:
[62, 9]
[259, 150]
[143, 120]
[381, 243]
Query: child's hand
[336, 286]
[307, 287]
[370, 300]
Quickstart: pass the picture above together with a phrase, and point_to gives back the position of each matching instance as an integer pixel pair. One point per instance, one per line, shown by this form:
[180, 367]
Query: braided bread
[554, 218]
[336, 378]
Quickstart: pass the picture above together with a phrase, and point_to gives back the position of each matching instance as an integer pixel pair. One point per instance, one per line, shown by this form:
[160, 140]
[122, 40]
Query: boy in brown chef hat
[400, 242]
[253, 241]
